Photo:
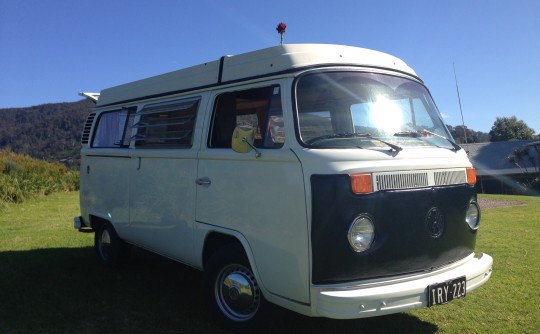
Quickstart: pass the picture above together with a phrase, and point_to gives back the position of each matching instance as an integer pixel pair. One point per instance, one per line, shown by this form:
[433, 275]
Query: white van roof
[264, 62]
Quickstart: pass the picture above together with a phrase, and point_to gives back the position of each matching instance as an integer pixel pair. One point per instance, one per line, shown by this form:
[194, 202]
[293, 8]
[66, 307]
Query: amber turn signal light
[361, 183]
[471, 176]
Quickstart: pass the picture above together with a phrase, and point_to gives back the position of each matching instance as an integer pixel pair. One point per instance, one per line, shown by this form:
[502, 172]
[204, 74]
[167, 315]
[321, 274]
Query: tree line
[49, 132]
[52, 131]
[503, 129]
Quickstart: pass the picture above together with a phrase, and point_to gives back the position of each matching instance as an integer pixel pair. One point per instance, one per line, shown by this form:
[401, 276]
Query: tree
[522, 158]
[472, 136]
[510, 128]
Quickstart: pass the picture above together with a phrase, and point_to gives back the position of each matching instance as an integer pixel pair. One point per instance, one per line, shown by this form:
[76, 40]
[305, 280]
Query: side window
[114, 128]
[258, 107]
[167, 124]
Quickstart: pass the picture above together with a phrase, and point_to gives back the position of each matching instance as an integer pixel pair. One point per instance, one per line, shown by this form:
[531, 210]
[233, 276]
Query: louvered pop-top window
[167, 124]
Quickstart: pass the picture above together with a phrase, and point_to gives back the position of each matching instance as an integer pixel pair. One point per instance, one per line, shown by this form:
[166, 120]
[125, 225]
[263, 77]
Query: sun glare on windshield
[386, 115]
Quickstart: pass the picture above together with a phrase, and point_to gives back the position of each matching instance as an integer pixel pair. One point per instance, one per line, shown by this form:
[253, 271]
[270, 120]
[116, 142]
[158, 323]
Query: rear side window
[167, 125]
[113, 129]
[259, 108]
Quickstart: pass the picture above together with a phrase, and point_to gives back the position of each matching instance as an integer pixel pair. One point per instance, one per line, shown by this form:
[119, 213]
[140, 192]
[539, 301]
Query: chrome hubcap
[237, 292]
[105, 244]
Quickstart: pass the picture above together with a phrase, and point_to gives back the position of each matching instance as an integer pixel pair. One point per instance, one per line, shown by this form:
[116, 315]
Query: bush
[23, 177]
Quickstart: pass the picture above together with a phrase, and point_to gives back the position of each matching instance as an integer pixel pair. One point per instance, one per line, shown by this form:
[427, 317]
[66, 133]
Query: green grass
[50, 282]
[510, 301]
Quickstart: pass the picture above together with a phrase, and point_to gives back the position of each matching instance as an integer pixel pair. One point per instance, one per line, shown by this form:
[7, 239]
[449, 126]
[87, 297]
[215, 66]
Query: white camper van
[320, 178]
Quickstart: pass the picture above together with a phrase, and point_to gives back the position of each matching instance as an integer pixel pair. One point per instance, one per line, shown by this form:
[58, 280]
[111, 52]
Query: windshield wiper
[355, 135]
[393, 146]
[419, 133]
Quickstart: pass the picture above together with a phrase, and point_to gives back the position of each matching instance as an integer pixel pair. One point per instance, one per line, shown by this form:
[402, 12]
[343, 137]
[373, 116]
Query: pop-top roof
[253, 64]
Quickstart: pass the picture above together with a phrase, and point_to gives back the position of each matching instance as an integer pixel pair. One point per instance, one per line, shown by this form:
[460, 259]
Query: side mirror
[242, 140]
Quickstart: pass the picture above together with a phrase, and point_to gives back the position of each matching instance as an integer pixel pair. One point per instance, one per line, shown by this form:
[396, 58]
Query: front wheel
[110, 249]
[233, 293]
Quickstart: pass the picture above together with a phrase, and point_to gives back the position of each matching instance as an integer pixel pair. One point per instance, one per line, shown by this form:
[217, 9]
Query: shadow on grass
[66, 290]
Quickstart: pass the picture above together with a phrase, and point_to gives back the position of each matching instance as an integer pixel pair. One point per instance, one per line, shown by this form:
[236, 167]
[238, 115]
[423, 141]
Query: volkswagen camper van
[320, 178]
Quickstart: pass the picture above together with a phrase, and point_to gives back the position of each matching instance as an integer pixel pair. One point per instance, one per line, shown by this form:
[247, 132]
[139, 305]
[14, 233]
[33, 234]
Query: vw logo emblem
[435, 223]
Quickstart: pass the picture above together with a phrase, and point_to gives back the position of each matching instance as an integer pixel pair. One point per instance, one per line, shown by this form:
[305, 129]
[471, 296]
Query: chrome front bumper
[396, 294]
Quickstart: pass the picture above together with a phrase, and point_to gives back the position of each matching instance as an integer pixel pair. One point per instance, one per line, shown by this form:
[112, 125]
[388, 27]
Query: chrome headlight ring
[472, 216]
[361, 233]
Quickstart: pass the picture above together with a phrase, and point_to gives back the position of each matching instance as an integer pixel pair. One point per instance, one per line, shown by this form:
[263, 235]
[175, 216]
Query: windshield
[348, 109]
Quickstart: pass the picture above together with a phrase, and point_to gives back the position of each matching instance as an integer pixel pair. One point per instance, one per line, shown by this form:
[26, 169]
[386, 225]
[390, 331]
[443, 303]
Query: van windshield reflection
[347, 109]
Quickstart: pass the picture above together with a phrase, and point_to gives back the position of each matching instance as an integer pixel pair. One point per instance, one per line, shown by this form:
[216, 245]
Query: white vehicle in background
[320, 178]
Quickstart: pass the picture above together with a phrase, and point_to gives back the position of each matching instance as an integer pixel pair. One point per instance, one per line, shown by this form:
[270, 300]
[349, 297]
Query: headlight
[361, 233]
[472, 217]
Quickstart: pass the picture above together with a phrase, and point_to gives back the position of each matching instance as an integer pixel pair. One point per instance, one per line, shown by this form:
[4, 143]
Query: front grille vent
[450, 177]
[419, 179]
[402, 181]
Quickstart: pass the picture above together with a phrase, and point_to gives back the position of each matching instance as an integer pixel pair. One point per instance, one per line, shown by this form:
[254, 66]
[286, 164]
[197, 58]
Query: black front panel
[403, 240]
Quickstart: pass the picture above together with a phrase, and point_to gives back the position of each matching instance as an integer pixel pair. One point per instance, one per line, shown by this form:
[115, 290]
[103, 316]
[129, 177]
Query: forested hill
[49, 131]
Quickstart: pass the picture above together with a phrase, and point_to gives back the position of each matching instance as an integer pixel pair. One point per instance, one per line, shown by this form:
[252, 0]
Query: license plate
[442, 293]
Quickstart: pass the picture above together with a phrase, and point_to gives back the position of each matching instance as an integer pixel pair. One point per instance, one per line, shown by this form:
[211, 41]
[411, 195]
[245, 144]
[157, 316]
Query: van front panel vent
[450, 177]
[419, 179]
[87, 128]
[401, 181]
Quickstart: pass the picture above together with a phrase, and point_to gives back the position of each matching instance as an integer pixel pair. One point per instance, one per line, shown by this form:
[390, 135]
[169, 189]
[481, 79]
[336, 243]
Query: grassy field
[51, 283]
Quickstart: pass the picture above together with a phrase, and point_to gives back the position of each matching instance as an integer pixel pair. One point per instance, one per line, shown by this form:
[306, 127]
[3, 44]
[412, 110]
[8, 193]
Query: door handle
[203, 181]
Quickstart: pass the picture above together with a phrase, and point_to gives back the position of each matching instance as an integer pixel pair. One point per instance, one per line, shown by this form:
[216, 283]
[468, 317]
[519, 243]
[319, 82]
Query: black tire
[233, 295]
[110, 249]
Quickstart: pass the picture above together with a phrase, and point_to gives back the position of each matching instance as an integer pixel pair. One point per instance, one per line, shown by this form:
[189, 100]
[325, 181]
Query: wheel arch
[215, 240]
[97, 221]
[223, 255]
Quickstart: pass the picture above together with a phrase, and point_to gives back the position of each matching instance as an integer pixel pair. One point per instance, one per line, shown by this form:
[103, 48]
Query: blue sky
[52, 49]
